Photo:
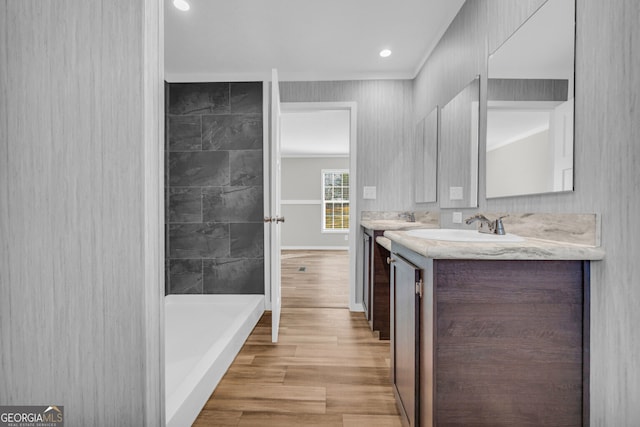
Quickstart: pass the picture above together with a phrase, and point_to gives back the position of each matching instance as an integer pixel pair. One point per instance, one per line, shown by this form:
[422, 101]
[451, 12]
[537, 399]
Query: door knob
[275, 219]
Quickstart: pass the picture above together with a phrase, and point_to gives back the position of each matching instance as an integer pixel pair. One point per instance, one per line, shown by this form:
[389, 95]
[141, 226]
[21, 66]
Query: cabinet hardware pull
[390, 260]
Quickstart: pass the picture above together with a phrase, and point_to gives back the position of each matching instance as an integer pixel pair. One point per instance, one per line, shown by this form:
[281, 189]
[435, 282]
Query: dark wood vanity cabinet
[366, 273]
[495, 342]
[405, 337]
[376, 283]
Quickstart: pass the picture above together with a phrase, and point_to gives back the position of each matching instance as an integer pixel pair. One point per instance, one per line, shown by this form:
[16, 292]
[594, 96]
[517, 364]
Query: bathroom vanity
[490, 333]
[375, 273]
[375, 269]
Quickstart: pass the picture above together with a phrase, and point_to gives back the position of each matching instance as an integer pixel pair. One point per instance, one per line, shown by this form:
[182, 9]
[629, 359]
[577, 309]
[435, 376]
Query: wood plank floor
[328, 368]
[315, 279]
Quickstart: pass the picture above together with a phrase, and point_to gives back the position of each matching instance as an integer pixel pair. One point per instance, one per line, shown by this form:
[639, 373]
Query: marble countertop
[394, 224]
[384, 242]
[529, 249]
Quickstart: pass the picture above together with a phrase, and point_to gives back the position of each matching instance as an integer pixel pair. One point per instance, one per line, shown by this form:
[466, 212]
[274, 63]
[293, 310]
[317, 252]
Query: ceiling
[315, 133]
[232, 40]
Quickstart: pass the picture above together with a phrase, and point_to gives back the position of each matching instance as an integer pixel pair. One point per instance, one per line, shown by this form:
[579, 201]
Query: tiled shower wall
[214, 189]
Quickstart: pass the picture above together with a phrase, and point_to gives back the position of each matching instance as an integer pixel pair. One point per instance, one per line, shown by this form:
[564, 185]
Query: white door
[276, 214]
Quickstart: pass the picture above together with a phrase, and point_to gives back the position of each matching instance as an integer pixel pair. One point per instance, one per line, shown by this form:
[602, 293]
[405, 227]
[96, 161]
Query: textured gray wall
[458, 147]
[215, 231]
[81, 297]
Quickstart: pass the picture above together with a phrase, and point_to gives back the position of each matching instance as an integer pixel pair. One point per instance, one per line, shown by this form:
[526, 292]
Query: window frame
[324, 202]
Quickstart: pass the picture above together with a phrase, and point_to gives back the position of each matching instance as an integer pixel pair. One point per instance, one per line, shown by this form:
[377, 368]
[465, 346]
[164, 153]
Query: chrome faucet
[486, 225]
[409, 215]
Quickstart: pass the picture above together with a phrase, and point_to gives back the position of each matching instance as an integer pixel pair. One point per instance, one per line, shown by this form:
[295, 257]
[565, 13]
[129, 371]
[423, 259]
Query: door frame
[354, 220]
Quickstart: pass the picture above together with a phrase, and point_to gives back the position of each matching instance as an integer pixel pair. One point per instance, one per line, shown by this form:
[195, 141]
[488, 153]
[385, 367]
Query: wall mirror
[458, 149]
[530, 106]
[426, 158]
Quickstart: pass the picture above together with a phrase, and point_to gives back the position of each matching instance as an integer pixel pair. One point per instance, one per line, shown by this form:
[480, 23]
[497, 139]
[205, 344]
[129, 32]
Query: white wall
[302, 198]
[526, 163]
[81, 283]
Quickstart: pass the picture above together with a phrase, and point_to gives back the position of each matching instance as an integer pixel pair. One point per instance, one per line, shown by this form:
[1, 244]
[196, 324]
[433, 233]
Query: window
[335, 200]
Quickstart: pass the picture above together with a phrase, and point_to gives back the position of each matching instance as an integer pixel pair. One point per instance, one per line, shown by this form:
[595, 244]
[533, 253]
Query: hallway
[328, 369]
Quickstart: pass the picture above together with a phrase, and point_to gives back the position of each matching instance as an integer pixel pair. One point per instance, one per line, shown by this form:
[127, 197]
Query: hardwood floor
[328, 368]
[315, 279]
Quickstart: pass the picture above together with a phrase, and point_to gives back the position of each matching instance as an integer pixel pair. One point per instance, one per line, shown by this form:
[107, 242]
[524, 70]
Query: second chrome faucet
[410, 216]
[486, 225]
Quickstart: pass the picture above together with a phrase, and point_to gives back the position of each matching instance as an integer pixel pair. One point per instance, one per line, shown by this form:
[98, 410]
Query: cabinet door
[366, 276]
[405, 278]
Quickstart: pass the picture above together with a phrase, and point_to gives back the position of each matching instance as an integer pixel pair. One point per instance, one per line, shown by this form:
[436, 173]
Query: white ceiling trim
[429, 51]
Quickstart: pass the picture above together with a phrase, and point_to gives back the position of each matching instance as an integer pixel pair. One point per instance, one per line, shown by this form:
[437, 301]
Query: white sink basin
[456, 235]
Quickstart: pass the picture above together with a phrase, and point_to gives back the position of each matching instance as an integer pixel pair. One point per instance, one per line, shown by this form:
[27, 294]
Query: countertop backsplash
[582, 229]
[425, 217]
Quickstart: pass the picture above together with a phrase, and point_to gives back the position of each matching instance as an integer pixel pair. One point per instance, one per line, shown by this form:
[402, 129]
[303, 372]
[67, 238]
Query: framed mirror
[530, 106]
[426, 158]
[458, 149]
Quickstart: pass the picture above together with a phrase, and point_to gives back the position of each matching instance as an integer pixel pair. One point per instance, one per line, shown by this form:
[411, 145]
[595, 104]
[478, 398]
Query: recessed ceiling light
[181, 5]
[385, 52]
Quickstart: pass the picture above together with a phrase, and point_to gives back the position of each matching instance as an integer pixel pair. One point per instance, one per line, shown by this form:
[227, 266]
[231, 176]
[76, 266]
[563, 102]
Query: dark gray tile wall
[214, 188]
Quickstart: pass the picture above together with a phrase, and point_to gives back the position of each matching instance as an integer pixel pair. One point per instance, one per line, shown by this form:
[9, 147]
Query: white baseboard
[314, 248]
[300, 202]
[357, 307]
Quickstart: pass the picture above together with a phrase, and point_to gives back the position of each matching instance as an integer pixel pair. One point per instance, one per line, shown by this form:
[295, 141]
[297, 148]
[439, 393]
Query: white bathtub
[203, 334]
